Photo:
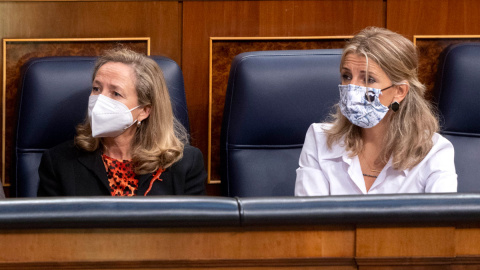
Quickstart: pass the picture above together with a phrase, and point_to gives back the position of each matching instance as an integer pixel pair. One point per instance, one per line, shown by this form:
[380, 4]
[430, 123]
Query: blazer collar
[93, 162]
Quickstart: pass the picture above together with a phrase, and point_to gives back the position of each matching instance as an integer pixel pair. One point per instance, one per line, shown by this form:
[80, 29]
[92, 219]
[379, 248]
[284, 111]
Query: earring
[139, 123]
[394, 106]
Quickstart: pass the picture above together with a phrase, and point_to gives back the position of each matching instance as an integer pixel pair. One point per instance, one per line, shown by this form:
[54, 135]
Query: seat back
[272, 98]
[53, 99]
[457, 94]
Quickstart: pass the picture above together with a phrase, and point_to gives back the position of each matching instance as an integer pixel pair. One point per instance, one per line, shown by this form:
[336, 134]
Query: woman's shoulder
[441, 151]
[191, 166]
[65, 147]
[191, 150]
[316, 139]
[191, 155]
[321, 127]
[64, 150]
[189, 172]
[318, 131]
[440, 142]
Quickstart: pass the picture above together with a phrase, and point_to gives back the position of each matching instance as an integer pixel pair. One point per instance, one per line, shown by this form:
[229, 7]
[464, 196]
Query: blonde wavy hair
[411, 128]
[160, 139]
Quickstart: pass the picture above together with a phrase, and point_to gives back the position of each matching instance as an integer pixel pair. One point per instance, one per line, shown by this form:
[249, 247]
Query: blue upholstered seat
[272, 98]
[53, 99]
[457, 93]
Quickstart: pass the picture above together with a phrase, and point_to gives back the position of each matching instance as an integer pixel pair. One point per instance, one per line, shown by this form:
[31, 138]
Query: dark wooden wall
[182, 30]
[433, 17]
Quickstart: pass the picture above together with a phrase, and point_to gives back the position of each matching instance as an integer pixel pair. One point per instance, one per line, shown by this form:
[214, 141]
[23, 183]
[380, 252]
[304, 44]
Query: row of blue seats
[272, 98]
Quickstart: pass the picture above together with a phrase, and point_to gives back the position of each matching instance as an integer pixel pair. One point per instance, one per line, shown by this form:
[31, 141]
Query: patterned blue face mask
[361, 105]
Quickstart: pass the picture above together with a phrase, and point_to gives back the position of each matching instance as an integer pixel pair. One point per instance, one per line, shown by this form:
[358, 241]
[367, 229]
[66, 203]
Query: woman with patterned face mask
[130, 144]
[382, 138]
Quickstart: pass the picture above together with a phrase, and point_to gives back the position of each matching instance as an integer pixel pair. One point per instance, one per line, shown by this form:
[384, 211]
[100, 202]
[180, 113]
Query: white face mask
[108, 117]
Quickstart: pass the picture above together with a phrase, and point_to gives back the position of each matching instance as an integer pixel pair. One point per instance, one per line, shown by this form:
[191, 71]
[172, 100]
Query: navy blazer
[66, 170]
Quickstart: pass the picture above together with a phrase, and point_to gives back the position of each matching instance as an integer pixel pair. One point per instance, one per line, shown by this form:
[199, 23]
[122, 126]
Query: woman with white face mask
[130, 144]
[382, 138]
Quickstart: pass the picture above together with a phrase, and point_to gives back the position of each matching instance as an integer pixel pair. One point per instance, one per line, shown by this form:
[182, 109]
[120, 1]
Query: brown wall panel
[159, 20]
[188, 248]
[467, 238]
[376, 247]
[433, 17]
[405, 247]
[205, 19]
[373, 242]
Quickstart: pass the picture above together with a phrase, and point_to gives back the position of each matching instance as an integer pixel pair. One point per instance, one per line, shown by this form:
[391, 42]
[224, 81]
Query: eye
[346, 77]
[117, 94]
[371, 80]
[95, 89]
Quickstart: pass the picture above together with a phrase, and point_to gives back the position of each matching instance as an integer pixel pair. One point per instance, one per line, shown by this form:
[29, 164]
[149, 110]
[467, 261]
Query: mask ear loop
[369, 97]
[134, 121]
[130, 110]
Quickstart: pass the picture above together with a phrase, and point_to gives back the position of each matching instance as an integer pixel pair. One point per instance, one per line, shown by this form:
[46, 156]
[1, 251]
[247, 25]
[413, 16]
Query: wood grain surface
[342, 247]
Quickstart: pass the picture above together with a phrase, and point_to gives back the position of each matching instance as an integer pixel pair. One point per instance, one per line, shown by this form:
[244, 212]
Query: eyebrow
[344, 69]
[113, 87]
[370, 72]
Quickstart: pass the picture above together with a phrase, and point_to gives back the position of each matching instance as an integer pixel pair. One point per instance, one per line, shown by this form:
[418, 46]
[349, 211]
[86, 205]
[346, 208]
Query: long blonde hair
[409, 135]
[160, 139]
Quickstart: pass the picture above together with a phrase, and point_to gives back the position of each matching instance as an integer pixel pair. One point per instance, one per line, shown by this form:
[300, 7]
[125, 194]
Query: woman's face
[117, 81]
[354, 71]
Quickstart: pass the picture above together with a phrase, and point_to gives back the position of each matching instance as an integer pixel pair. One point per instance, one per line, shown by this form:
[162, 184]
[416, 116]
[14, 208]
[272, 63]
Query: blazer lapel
[93, 162]
[159, 187]
[144, 183]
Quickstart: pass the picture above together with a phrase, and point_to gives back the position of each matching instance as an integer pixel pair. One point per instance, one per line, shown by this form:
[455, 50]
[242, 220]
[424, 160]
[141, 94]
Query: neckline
[105, 157]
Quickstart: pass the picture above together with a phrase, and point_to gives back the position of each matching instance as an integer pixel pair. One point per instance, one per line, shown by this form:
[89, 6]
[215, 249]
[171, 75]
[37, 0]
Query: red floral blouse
[122, 179]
